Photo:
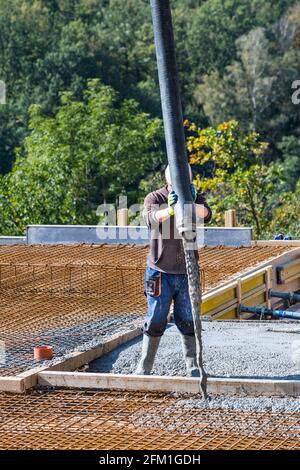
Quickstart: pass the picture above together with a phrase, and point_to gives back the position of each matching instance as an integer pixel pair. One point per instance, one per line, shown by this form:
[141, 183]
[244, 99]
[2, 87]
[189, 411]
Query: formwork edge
[190, 385]
[12, 384]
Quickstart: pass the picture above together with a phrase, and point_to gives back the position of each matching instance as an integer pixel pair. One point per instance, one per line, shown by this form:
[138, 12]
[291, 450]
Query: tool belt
[152, 282]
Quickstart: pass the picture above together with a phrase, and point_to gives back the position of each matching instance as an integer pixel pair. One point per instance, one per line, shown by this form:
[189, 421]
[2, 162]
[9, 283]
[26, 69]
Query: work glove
[172, 200]
[194, 192]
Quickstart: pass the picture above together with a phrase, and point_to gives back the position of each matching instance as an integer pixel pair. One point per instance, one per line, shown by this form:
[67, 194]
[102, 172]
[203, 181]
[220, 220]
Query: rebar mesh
[72, 264]
[72, 419]
[74, 296]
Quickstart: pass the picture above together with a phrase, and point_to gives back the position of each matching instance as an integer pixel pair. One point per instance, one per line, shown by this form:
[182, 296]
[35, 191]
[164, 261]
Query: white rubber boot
[150, 345]
[189, 353]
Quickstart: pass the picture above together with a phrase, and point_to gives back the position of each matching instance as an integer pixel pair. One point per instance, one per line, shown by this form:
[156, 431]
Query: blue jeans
[161, 289]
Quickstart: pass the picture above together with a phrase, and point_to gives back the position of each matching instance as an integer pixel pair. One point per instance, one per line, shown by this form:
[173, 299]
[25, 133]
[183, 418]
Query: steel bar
[74, 297]
[89, 419]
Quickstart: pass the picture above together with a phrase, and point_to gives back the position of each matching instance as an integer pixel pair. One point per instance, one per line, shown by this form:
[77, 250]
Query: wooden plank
[223, 302]
[269, 281]
[239, 296]
[29, 377]
[12, 384]
[292, 278]
[289, 271]
[256, 272]
[273, 261]
[122, 217]
[215, 385]
[213, 300]
[219, 290]
[258, 299]
[223, 309]
[254, 293]
[227, 314]
[253, 282]
[230, 218]
[275, 243]
[254, 387]
[119, 381]
[255, 285]
[246, 316]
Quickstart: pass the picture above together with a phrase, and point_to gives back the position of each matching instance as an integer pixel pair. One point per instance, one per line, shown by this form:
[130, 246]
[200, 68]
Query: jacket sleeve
[151, 206]
[201, 200]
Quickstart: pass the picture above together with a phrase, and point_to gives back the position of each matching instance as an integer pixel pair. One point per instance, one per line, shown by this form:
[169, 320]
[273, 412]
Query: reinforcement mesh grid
[72, 419]
[75, 296]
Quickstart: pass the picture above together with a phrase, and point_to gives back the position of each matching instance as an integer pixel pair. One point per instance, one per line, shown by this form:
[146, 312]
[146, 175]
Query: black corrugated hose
[178, 161]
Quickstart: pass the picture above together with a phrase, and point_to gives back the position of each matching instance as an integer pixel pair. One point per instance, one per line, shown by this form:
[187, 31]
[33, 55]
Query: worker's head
[168, 176]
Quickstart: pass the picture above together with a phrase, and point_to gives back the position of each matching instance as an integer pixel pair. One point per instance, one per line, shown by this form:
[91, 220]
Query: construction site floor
[74, 297]
[69, 419]
[267, 349]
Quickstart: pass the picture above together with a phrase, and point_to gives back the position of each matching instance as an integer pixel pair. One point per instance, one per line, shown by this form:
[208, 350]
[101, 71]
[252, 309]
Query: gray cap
[168, 175]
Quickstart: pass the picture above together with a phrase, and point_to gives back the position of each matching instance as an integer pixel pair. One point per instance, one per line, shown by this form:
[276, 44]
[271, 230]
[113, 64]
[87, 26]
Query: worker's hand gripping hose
[177, 157]
[172, 200]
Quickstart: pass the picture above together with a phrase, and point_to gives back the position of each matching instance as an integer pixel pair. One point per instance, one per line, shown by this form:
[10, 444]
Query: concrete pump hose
[177, 158]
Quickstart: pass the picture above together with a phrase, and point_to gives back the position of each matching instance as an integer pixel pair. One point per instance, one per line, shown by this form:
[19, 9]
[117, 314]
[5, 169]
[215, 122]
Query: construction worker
[166, 278]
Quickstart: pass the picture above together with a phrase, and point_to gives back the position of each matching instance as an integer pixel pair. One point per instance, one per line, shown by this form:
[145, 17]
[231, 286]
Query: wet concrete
[274, 404]
[231, 349]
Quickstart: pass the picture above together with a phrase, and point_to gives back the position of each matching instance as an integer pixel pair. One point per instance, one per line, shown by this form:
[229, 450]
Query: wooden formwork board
[252, 289]
[290, 258]
[212, 302]
[288, 272]
[191, 385]
[12, 384]
[295, 243]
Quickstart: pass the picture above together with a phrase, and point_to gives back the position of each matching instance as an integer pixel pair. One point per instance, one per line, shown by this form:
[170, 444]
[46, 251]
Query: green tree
[246, 91]
[286, 216]
[217, 24]
[90, 152]
[236, 59]
[238, 177]
[290, 147]
[52, 45]
[255, 89]
[47, 46]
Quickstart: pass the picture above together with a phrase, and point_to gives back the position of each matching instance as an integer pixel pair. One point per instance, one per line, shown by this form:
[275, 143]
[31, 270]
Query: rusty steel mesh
[72, 419]
[74, 296]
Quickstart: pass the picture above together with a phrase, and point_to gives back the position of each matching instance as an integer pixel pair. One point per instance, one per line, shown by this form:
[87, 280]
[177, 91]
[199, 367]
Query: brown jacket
[166, 248]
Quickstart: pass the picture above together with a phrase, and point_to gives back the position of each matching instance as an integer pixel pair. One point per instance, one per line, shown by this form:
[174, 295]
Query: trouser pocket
[152, 284]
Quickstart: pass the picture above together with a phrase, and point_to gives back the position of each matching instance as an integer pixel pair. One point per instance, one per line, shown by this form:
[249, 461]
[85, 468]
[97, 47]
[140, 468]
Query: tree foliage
[90, 152]
[237, 61]
[237, 176]
[50, 46]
